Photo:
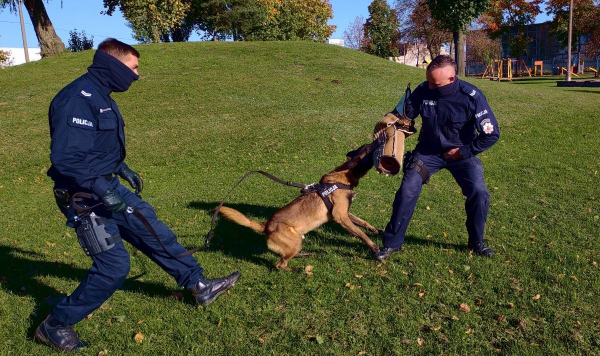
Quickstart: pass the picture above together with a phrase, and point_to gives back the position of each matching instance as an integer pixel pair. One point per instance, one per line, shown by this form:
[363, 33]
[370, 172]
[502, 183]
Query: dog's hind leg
[362, 223]
[284, 241]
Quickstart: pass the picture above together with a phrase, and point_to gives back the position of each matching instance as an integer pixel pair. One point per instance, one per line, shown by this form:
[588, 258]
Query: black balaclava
[111, 72]
[446, 90]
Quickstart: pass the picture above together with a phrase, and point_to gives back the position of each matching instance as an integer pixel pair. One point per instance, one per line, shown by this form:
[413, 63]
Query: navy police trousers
[468, 173]
[110, 268]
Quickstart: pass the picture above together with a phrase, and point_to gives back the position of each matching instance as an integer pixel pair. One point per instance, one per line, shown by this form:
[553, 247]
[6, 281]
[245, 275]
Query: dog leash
[268, 175]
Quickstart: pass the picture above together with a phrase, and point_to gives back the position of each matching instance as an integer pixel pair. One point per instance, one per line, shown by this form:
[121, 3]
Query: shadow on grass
[243, 243]
[21, 272]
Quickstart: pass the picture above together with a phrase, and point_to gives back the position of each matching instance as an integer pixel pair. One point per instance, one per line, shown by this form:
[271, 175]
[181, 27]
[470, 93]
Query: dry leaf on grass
[103, 353]
[465, 307]
[261, 340]
[139, 338]
[536, 297]
[420, 341]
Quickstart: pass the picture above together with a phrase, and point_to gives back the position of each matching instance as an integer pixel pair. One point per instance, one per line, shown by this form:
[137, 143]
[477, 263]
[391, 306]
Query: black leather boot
[385, 252]
[481, 249]
[62, 338]
[207, 290]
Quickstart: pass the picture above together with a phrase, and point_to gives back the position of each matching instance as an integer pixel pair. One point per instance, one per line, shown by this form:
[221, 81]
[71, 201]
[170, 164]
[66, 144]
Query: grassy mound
[203, 114]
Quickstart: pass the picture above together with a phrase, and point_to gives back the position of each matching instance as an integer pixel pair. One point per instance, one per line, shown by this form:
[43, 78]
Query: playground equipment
[537, 64]
[505, 69]
[593, 70]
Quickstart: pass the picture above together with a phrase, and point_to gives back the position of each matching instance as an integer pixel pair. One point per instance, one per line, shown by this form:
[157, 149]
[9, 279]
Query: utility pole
[23, 33]
[569, 41]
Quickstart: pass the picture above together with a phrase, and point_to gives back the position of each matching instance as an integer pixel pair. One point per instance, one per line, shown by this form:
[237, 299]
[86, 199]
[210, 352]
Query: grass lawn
[203, 114]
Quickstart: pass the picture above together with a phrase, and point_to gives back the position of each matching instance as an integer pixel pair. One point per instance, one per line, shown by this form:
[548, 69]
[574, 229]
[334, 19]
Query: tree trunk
[459, 52]
[50, 43]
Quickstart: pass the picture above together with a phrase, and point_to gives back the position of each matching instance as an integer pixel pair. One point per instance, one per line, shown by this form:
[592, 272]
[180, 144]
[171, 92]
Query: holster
[92, 236]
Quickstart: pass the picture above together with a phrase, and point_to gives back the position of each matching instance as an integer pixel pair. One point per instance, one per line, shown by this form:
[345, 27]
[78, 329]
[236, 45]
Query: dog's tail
[241, 219]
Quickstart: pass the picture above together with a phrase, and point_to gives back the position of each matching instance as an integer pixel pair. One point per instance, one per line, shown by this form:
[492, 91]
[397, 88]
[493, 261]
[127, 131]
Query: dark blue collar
[111, 73]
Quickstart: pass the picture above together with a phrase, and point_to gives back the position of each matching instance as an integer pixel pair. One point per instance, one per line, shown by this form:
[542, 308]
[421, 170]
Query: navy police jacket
[87, 137]
[457, 117]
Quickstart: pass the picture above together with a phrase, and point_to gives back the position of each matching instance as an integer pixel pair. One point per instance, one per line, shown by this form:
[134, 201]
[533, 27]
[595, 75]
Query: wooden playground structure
[506, 69]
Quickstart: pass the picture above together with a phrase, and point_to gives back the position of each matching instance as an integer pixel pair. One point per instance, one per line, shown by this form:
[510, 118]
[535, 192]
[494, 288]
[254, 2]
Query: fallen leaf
[427, 207]
[436, 328]
[511, 305]
[139, 338]
[103, 353]
[536, 297]
[140, 321]
[419, 341]
[382, 272]
[574, 278]
[261, 340]
[450, 271]
[468, 331]
[219, 323]
[470, 276]
[362, 353]
[465, 307]
[417, 284]
[308, 268]
[421, 294]
[358, 276]
[89, 316]
[445, 234]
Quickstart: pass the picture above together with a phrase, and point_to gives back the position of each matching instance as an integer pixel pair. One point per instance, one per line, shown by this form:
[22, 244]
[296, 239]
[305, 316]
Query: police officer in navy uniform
[457, 125]
[87, 155]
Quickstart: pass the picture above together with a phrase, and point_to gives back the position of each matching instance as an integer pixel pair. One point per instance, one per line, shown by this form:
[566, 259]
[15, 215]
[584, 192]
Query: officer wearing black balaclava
[88, 157]
[457, 125]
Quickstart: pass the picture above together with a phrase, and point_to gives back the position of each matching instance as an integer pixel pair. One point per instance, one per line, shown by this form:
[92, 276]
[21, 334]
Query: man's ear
[452, 79]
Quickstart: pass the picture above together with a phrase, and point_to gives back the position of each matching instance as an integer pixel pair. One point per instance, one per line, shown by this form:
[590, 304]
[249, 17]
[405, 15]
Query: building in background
[17, 55]
[336, 41]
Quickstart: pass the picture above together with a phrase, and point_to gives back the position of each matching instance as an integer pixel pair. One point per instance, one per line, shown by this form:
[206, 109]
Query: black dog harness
[324, 190]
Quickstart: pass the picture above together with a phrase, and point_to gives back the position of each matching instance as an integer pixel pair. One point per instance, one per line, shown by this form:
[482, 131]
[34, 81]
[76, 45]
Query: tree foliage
[163, 20]
[586, 19]
[454, 16]
[78, 41]
[381, 30]
[419, 25]
[482, 48]
[295, 20]
[50, 43]
[504, 16]
[354, 35]
[150, 19]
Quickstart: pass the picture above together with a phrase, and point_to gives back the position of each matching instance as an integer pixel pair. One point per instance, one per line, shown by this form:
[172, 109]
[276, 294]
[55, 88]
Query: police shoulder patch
[486, 126]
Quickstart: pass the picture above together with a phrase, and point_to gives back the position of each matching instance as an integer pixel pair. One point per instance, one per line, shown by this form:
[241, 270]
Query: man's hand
[453, 154]
[113, 201]
[134, 179]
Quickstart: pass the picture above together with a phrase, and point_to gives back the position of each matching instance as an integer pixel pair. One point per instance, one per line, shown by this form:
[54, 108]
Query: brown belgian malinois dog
[286, 228]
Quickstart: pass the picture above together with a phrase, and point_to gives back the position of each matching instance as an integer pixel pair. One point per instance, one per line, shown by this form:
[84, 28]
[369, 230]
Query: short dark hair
[441, 61]
[117, 49]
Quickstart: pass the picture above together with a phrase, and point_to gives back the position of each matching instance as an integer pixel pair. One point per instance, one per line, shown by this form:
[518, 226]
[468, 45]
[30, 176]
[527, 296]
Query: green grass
[203, 114]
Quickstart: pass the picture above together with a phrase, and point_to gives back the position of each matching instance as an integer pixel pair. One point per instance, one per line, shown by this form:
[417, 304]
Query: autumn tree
[482, 48]
[585, 20]
[381, 30]
[510, 19]
[50, 43]
[454, 16]
[295, 20]
[150, 19]
[426, 28]
[354, 35]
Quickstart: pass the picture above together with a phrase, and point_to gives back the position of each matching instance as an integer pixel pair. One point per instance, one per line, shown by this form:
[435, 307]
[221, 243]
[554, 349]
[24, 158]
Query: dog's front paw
[375, 249]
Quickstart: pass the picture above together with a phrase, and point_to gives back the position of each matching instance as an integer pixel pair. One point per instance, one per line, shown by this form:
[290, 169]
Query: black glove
[114, 201]
[134, 179]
